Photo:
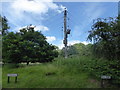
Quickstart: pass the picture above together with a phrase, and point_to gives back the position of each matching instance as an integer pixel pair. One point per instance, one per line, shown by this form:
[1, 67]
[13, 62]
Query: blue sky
[48, 17]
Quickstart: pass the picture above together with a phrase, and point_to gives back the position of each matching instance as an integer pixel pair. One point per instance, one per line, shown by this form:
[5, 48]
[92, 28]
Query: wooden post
[8, 79]
[102, 83]
[16, 79]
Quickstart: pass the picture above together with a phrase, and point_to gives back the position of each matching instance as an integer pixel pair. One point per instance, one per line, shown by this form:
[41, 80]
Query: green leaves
[27, 46]
[5, 26]
[71, 50]
[106, 37]
[105, 34]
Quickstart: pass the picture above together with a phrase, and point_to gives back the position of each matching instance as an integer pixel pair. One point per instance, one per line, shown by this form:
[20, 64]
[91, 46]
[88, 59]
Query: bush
[100, 67]
[12, 65]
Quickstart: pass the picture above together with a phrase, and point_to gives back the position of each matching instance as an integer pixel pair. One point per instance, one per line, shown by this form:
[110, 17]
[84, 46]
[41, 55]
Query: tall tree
[3, 31]
[27, 46]
[4, 23]
[35, 47]
[105, 34]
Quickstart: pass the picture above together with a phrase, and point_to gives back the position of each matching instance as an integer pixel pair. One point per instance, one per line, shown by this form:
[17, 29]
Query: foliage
[78, 49]
[11, 51]
[4, 23]
[100, 67]
[27, 46]
[106, 37]
[105, 34]
[35, 46]
[83, 49]
[94, 66]
[3, 31]
[71, 50]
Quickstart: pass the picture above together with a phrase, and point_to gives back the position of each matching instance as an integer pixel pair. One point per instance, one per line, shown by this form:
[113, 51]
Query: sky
[47, 17]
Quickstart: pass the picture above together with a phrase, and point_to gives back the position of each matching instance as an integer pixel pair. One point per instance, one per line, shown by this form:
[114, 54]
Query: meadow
[61, 73]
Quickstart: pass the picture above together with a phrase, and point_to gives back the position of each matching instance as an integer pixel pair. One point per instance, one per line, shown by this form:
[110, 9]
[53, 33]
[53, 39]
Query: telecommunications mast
[66, 32]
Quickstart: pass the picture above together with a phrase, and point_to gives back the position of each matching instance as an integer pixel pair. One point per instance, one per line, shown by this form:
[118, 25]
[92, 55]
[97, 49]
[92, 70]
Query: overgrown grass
[0, 76]
[62, 73]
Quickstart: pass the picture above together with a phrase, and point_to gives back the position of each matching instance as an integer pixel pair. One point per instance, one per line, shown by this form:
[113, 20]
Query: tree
[80, 47]
[35, 46]
[27, 46]
[4, 23]
[71, 50]
[105, 34]
[3, 31]
[11, 48]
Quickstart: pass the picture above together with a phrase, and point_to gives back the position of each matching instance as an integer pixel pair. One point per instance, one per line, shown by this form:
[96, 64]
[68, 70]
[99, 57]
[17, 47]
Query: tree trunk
[27, 63]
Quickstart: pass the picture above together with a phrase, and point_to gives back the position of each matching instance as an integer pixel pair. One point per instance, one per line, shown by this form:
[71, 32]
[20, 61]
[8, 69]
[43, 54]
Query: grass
[62, 73]
[0, 76]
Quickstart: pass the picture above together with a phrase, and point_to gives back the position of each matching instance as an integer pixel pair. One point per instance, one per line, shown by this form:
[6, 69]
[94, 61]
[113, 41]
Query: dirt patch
[50, 73]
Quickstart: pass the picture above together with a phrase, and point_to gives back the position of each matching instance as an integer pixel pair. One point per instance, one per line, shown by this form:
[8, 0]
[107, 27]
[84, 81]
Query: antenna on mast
[66, 32]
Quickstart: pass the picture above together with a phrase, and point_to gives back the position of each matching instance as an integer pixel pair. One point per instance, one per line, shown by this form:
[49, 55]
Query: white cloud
[21, 27]
[71, 0]
[25, 12]
[61, 8]
[37, 28]
[85, 42]
[35, 6]
[50, 38]
[73, 42]
[60, 46]
[41, 28]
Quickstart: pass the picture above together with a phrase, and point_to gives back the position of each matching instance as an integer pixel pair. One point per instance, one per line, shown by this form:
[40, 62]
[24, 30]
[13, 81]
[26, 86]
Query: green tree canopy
[105, 34]
[27, 45]
[4, 25]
